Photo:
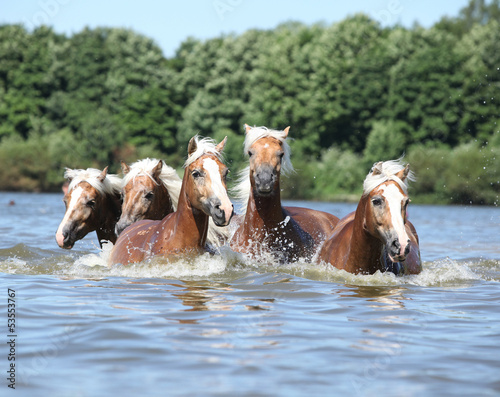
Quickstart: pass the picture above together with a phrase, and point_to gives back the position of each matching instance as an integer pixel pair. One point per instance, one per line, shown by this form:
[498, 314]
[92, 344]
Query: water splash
[228, 265]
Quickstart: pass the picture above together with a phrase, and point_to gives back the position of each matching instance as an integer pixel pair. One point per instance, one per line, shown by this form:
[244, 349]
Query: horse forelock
[256, 133]
[110, 185]
[387, 171]
[168, 176]
[203, 146]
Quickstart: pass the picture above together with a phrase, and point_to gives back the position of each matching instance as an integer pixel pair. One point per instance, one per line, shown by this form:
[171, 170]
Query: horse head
[269, 154]
[84, 203]
[205, 180]
[146, 193]
[387, 200]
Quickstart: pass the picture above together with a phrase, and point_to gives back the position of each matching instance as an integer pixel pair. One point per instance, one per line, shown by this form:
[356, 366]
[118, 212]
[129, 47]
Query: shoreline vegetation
[353, 92]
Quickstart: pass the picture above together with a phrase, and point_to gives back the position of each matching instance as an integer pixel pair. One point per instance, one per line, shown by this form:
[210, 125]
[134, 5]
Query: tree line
[353, 92]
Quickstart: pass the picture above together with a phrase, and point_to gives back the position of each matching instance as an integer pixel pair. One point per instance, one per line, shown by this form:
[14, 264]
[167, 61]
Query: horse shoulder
[413, 262]
[411, 231]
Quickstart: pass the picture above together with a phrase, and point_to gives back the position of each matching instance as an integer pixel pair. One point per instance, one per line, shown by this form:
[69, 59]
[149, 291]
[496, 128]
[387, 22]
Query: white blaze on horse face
[75, 196]
[394, 199]
[210, 165]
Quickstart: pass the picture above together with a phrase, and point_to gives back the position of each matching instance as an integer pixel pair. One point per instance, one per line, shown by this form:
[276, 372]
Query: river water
[221, 326]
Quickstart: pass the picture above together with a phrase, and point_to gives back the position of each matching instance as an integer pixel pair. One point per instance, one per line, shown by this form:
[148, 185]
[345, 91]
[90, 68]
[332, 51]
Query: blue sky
[171, 22]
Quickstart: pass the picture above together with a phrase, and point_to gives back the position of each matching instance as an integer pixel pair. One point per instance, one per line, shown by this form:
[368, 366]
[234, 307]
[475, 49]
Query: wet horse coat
[92, 204]
[288, 233]
[184, 232]
[377, 236]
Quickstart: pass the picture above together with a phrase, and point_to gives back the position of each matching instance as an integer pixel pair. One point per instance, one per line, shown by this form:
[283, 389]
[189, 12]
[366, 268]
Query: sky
[169, 22]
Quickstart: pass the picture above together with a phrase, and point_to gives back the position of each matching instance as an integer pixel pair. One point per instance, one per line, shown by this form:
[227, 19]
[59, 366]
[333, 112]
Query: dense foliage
[353, 93]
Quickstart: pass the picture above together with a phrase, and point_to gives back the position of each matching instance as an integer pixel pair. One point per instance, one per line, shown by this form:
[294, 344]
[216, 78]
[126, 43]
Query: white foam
[204, 265]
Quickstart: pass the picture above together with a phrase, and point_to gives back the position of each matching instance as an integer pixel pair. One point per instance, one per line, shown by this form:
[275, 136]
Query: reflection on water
[223, 326]
[384, 298]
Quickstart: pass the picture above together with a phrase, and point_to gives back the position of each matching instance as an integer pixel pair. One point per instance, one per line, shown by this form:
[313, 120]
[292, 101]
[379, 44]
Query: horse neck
[108, 216]
[265, 211]
[162, 204]
[365, 250]
[192, 221]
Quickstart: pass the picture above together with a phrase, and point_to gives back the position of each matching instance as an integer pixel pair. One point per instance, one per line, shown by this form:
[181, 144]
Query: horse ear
[247, 128]
[103, 174]
[377, 168]
[403, 174]
[68, 173]
[125, 167]
[155, 173]
[192, 146]
[221, 145]
[286, 131]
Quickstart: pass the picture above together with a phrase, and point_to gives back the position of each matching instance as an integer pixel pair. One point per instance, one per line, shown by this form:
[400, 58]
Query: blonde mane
[110, 185]
[241, 191]
[168, 176]
[203, 146]
[386, 171]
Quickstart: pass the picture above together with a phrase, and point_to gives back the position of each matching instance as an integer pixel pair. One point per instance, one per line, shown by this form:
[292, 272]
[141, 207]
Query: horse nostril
[407, 249]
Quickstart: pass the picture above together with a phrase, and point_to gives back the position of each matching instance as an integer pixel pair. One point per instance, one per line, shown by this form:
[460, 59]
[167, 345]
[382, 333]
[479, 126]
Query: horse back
[336, 248]
[318, 224]
[133, 243]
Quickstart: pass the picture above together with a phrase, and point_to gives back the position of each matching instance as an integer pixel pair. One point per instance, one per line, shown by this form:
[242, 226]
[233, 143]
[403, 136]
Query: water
[220, 326]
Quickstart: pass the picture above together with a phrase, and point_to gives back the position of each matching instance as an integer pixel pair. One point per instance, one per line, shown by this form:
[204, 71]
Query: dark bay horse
[92, 204]
[184, 232]
[150, 190]
[377, 236]
[288, 233]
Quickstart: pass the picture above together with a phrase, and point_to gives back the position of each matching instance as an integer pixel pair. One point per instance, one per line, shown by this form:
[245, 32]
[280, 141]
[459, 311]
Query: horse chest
[284, 239]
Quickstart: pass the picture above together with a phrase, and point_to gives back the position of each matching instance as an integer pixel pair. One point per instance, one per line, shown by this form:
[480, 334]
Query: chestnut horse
[288, 233]
[377, 236]
[92, 204]
[150, 191]
[183, 232]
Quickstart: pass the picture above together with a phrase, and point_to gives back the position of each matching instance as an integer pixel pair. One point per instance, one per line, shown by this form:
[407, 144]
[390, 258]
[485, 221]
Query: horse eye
[196, 174]
[149, 195]
[250, 153]
[377, 201]
[281, 155]
[91, 203]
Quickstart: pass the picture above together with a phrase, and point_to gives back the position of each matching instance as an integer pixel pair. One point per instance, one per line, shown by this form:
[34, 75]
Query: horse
[266, 227]
[150, 190]
[378, 235]
[184, 232]
[92, 204]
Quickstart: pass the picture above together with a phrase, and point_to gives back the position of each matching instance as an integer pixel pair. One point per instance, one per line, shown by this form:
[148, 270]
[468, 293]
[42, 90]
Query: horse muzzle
[265, 179]
[397, 252]
[221, 214]
[64, 240]
[123, 224]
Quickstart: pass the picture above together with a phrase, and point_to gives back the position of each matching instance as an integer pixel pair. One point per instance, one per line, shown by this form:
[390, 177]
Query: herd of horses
[151, 212]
